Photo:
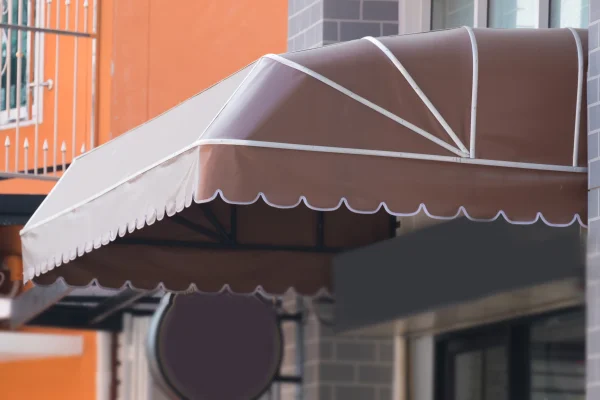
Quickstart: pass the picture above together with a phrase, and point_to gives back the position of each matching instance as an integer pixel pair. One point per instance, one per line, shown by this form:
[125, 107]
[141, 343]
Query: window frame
[416, 15]
[513, 333]
[8, 117]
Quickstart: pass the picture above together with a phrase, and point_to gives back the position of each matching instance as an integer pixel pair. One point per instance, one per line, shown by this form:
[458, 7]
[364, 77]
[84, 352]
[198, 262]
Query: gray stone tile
[594, 174]
[593, 370]
[326, 350]
[593, 210]
[592, 91]
[336, 372]
[593, 268]
[594, 64]
[381, 375]
[386, 352]
[380, 11]
[593, 149]
[357, 30]
[592, 393]
[325, 392]
[593, 343]
[594, 117]
[593, 302]
[316, 12]
[341, 9]
[355, 393]
[390, 29]
[385, 394]
[330, 31]
[593, 36]
[299, 42]
[355, 351]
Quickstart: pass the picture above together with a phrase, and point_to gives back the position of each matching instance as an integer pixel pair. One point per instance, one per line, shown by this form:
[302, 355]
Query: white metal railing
[48, 88]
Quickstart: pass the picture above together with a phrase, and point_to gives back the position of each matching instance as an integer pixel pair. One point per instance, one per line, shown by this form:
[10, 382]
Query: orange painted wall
[54, 378]
[165, 51]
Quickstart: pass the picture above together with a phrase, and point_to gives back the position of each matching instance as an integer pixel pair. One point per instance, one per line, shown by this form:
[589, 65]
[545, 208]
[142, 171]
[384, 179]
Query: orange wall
[165, 51]
[54, 378]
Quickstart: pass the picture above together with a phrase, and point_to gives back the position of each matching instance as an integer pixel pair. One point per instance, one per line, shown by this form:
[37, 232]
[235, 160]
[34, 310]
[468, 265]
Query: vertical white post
[45, 151]
[6, 153]
[400, 373]
[542, 14]
[480, 19]
[19, 78]
[28, 62]
[39, 70]
[75, 71]
[56, 70]
[26, 156]
[103, 365]
[9, 69]
[63, 152]
[94, 74]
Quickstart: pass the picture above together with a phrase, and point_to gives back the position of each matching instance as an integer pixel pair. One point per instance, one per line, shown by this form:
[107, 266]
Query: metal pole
[300, 347]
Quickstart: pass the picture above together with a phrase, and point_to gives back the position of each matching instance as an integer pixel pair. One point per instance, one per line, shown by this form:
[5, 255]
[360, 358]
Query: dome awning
[259, 180]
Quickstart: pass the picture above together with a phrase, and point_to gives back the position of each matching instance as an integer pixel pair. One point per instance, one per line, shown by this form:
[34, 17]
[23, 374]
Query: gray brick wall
[593, 268]
[313, 23]
[336, 367]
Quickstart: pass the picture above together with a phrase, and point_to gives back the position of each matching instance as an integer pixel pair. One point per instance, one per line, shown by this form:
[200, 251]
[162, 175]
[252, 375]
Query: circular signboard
[207, 347]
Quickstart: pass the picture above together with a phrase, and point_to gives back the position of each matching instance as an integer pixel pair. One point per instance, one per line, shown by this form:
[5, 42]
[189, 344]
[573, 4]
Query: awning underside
[480, 123]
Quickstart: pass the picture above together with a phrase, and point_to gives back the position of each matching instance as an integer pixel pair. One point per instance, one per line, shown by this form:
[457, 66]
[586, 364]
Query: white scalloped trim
[192, 288]
[150, 216]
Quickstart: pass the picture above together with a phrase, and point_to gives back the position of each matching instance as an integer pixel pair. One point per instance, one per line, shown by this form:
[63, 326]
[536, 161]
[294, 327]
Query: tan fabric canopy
[300, 156]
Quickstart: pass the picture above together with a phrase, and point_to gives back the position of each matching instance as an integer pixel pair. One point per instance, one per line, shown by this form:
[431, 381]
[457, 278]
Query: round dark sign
[207, 347]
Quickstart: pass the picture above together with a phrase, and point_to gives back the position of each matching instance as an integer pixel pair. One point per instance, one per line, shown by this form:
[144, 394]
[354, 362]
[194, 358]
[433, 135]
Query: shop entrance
[540, 358]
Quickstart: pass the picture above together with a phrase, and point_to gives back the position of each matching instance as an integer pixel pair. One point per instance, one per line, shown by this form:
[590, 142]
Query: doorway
[535, 358]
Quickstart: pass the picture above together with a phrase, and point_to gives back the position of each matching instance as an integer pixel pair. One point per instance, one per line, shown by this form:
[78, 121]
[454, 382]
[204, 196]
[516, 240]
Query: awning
[297, 157]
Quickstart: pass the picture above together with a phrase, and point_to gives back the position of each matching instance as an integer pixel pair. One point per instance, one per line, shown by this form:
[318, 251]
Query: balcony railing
[48, 84]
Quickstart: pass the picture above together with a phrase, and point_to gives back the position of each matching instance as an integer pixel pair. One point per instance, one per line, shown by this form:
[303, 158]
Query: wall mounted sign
[224, 346]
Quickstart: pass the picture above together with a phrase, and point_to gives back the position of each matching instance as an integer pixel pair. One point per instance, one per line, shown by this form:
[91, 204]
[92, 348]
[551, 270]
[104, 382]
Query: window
[505, 13]
[539, 358]
[512, 13]
[569, 13]
[9, 59]
[452, 13]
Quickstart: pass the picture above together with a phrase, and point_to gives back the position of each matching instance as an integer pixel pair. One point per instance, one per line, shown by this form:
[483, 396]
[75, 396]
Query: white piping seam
[365, 102]
[474, 90]
[418, 91]
[579, 95]
[230, 97]
[392, 154]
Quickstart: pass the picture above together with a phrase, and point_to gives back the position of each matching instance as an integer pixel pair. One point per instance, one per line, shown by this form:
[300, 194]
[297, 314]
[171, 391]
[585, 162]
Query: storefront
[278, 175]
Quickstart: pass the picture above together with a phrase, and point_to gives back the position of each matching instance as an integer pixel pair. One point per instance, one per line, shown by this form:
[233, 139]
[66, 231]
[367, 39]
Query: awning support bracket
[214, 221]
[177, 218]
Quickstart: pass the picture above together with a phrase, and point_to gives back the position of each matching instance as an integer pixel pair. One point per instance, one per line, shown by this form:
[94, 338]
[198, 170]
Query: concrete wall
[593, 269]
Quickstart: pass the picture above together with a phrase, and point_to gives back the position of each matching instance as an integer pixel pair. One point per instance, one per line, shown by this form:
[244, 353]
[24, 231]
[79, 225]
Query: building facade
[481, 355]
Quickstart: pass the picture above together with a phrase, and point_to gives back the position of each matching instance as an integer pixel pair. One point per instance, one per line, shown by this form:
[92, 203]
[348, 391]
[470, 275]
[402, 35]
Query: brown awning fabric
[259, 180]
